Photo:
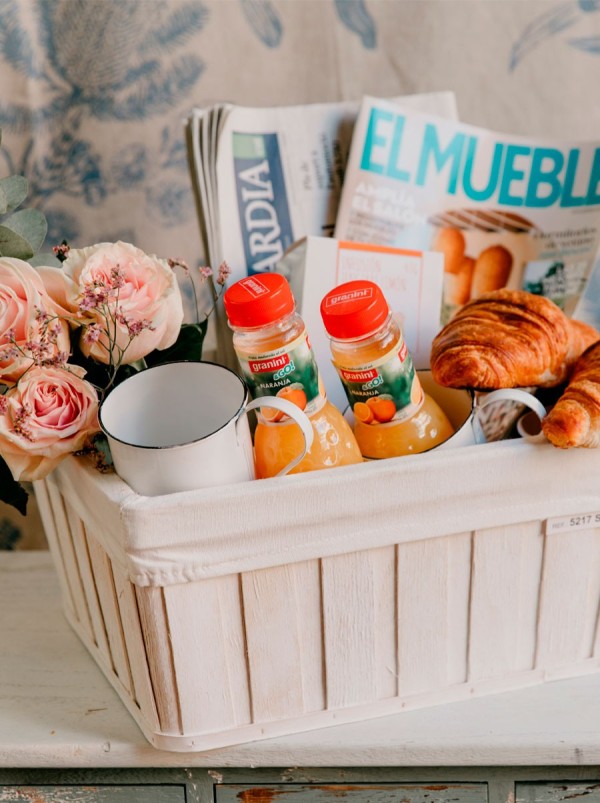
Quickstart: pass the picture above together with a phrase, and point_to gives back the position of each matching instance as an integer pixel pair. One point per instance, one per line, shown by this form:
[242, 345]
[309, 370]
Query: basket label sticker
[582, 521]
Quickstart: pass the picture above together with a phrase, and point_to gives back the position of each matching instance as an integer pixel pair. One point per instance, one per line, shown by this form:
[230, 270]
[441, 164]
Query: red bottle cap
[354, 309]
[258, 300]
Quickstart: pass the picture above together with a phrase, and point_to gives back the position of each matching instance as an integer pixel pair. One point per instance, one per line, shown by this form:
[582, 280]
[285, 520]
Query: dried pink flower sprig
[40, 349]
[133, 297]
[205, 273]
[123, 302]
[31, 327]
[222, 274]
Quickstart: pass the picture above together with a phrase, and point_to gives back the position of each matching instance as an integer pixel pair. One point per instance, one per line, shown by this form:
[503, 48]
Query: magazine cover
[505, 211]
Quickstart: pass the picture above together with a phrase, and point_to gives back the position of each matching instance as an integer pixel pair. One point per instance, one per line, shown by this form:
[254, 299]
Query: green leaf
[97, 373]
[13, 245]
[44, 260]
[22, 234]
[14, 189]
[188, 346]
[11, 491]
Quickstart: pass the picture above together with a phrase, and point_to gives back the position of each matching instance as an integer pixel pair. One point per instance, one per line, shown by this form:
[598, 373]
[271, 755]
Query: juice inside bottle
[393, 415]
[275, 445]
[274, 353]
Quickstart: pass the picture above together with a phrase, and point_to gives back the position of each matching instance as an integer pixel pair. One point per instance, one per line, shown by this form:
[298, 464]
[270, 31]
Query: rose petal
[64, 413]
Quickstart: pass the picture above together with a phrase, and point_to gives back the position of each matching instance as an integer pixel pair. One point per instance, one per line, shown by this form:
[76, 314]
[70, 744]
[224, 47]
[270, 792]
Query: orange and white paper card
[411, 282]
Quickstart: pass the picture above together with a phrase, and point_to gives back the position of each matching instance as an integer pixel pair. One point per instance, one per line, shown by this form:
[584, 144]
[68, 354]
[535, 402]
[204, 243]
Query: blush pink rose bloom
[47, 416]
[149, 295]
[22, 291]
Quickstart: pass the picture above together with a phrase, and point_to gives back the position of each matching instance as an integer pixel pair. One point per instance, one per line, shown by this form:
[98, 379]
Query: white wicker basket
[254, 610]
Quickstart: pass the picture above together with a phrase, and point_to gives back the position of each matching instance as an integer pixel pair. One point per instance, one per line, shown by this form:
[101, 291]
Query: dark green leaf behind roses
[11, 491]
[188, 346]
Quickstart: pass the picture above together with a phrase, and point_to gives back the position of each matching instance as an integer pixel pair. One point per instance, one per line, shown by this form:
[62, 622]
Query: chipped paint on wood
[259, 794]
[353, 793]
[558, 792]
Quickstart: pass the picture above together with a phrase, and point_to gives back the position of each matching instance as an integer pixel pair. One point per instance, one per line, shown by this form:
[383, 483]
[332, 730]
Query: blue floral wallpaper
[93, 93]
[115, 62]
[100, 61]
[87, 80]
[559, 22]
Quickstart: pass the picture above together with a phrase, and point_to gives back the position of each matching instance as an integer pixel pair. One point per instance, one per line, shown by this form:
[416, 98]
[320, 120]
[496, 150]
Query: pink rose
[22, 293]
[139, 292]
[48, 415]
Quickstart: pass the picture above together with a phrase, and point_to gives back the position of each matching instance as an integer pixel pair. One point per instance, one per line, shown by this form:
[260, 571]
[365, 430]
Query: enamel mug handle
[523, 397]
[300, 417]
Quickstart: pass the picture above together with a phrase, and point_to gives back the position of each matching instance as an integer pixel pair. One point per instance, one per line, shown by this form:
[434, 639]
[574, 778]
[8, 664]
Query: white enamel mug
[183, 425]
[463, 411]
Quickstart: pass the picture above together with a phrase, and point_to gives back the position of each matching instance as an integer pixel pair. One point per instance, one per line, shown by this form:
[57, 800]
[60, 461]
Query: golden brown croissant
[582, 336]
[505, 339]
[575, 418]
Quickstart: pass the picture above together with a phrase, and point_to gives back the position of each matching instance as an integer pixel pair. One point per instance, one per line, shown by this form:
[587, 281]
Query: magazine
[505, 211]
[588, 308]
[264, 178]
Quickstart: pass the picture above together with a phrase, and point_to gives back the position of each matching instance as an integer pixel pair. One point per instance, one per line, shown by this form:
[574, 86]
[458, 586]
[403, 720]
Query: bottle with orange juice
[393, 415]
[272, 346]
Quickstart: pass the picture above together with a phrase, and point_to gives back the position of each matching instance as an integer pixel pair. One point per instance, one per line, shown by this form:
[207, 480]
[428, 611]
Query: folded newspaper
[504, 210]
[264, 178]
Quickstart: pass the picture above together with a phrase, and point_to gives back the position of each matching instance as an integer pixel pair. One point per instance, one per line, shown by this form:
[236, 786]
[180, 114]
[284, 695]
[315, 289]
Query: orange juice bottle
[393, 416]
[276, 359]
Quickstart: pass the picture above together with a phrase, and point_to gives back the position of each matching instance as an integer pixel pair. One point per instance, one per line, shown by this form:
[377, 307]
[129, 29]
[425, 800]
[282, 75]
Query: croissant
[505, 339]
[582, 336]
[575, 418]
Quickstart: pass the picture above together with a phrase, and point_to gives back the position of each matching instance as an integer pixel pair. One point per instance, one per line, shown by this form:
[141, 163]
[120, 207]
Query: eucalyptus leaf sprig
[22, 232]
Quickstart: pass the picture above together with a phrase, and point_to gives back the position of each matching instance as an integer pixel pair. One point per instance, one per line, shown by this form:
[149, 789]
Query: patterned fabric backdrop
[93, 92]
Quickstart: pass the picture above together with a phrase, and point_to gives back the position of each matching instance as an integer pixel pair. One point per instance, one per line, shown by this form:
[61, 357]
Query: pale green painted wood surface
[303, 785]
[352, 793]
[558, 792]
[94, 794]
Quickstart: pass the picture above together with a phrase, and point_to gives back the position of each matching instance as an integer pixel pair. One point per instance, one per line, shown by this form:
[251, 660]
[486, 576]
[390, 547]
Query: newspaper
[264, 178]
[504, 210]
